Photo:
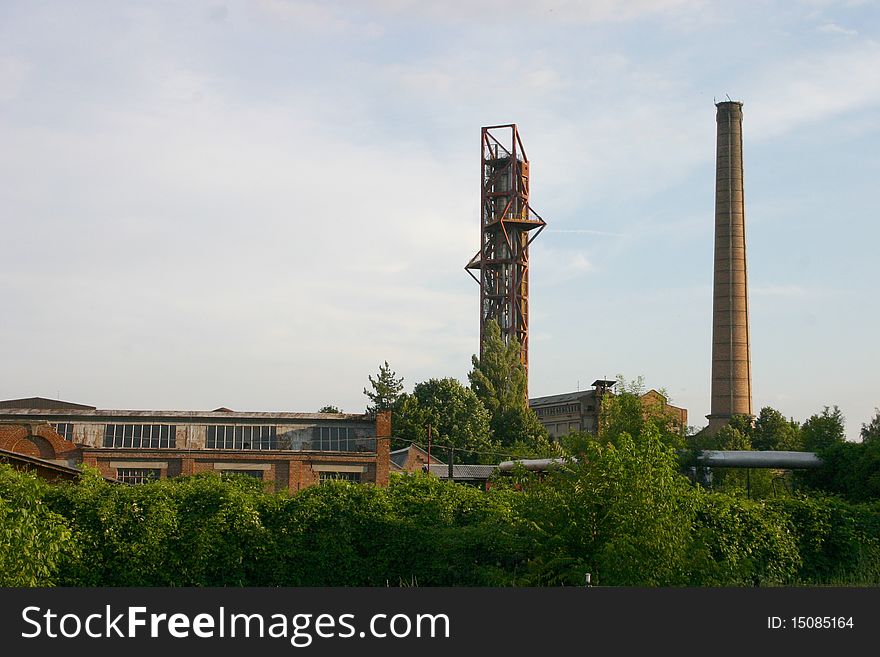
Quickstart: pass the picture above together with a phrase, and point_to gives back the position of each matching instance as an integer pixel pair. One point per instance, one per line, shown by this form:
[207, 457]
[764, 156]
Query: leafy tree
[744, 424]
[329, 408]
[773, 432]
[621, 513]
[457, 419]
[500, 382]
[823, 430]
[627, 413]
[870, 432]
[386, 390]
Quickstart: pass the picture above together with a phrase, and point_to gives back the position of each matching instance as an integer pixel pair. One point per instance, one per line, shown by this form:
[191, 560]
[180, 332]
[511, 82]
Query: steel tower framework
[506, 222]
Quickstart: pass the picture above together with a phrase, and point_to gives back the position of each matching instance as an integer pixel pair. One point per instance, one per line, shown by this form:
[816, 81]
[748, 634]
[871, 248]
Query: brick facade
[307, 447]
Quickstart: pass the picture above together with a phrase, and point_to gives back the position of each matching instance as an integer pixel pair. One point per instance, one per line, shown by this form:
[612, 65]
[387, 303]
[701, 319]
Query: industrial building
[579, 411]
[287, 451]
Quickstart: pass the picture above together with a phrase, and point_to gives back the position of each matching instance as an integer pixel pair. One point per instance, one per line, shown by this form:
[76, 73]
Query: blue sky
[253, 204]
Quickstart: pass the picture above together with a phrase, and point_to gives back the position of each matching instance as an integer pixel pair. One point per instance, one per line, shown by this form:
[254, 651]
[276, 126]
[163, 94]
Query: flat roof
[178, 415]
[564, 397]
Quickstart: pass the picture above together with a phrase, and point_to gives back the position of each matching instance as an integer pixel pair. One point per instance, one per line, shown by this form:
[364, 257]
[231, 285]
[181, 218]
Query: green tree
[457, 419]
[329, 408]
[744, 424]
[500, 382]
[622, 513]
[773, 432]
[870, 432]
[386, 390]
[821, 431]
[627, 413]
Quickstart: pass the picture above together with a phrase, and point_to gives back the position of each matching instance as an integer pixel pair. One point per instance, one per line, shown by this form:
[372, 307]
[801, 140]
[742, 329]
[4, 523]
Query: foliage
[851, 470]
[329, 408]
[500, 381]
[627, 413]
[621, 513]
[386, 390]
[823, 430]
[773, 432]
[839, 543]
[457, 419]
[738, 543]
[870, 432]
[33, 539]
[744, 424]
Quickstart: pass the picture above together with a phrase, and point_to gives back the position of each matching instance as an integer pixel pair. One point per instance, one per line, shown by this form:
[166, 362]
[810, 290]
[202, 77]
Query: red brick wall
[36, 439]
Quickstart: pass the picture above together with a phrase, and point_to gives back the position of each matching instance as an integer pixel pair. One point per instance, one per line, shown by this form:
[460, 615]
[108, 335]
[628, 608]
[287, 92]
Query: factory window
[140, 436]
[256, 474]
[339, 476]
[138, 475]
[241, 437]
[64, 429]
[335, 439]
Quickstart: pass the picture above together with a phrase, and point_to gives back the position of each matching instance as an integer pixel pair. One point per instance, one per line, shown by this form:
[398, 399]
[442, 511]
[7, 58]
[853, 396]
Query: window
[140, 436]
[339, 476]
[64, 429]
[335, 439]
[256, 474]
[138, 475]
[241, 437]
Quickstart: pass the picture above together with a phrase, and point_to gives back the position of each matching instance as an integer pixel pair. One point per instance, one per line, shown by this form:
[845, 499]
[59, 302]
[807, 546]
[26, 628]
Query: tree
[329, 408]
[386, 390]
[772, 431]
[457, 419]
[870, 432]
[500, 382]
[628, 413]
[823, 431]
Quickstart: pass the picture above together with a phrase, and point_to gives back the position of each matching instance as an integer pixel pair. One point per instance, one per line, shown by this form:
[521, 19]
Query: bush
[33, 539]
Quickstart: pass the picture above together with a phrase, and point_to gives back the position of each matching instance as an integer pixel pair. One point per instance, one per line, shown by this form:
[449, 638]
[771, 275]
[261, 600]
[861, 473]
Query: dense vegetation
[622, 513]
[618, 508]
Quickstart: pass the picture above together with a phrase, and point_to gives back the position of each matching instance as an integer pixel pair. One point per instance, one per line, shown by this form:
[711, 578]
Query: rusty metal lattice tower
[506, 222]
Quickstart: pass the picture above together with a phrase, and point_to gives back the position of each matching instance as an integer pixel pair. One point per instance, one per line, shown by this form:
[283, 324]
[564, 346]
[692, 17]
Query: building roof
[92, 412]
[564, 397]
[42, 466]
[463, 472]
[399, 456]
[42, 403]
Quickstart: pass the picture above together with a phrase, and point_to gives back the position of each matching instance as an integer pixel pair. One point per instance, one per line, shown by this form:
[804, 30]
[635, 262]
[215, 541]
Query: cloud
[491, 11]
[818, 86]
[833, 28]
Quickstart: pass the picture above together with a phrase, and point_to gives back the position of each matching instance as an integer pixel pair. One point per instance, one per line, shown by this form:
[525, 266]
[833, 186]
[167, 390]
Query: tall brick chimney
[731, 358]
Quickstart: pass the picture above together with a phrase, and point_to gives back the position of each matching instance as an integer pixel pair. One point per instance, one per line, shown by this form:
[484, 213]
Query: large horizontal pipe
[708, 458]
[765, 459]
[537, 465]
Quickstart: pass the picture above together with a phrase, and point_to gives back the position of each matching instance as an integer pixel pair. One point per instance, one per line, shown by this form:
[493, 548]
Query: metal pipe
[707, 458]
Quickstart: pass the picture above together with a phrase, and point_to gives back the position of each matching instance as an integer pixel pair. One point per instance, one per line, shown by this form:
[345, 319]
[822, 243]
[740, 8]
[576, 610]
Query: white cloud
[492, 11]
[833, 28]
[818, 86]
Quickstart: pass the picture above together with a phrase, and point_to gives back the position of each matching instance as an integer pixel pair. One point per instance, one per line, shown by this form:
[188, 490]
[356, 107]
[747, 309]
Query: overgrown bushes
[623, 514]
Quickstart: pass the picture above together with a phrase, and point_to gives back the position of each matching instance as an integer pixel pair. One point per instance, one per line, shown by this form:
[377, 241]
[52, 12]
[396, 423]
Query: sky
[255, 204]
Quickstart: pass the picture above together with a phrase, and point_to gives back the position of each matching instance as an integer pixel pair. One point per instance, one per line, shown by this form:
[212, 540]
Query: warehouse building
[579, 411]
[287, 451]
